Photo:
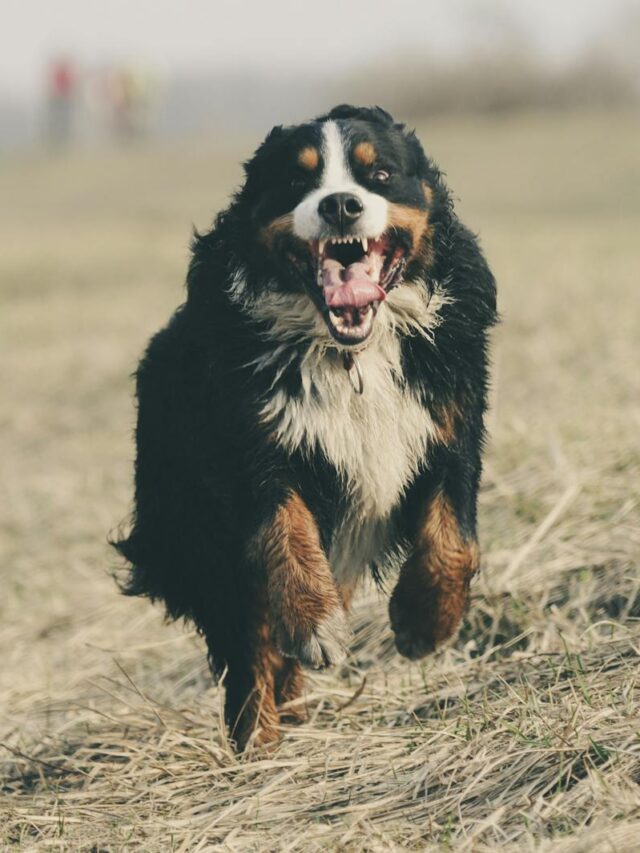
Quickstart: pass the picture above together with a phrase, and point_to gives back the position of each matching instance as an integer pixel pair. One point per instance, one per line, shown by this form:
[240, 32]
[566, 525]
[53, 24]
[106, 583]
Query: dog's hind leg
[250, 702]
[242, 656]
[255, 693]
[289, 689]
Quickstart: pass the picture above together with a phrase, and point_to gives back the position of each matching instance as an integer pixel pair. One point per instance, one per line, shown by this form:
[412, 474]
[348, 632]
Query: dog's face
[341, 208]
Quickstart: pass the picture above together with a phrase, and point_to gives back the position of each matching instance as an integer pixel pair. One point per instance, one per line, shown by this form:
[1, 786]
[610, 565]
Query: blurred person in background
[61, 87]
[128, 92]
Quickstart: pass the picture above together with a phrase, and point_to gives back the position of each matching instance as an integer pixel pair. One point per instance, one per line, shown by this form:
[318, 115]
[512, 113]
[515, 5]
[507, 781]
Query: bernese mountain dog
[313, 413]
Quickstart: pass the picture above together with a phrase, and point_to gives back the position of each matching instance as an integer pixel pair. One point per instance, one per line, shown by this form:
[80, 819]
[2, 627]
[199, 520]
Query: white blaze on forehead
[337, 177]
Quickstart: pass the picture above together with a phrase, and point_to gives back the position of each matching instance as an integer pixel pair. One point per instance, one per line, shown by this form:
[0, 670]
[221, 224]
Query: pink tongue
[349, 287]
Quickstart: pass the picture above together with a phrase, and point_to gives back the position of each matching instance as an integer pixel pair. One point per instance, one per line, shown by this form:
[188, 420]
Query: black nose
[340, 209]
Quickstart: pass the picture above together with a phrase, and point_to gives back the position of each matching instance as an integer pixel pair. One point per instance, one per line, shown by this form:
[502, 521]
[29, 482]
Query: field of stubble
[523, 734]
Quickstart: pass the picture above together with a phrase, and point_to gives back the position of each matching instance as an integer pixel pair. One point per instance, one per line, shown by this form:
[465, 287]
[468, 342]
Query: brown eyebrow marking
[309, 158]
[365, 153]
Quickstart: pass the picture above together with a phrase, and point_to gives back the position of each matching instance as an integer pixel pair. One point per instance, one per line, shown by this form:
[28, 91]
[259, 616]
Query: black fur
[208, 475]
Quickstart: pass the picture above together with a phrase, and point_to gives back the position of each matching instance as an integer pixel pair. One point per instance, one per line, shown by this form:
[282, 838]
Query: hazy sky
[175, 36]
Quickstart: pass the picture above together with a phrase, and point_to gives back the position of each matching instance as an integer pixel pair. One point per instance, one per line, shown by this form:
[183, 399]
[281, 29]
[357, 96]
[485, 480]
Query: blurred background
[122, 125]
[78, 72]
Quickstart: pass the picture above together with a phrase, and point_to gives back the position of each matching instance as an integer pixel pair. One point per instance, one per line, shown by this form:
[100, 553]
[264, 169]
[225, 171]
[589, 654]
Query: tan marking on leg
[277, 681]
[365, 153]
[306, 611]
[256, 720]
[433, 589]
[309, 158]
[440, 533]
[289, 689]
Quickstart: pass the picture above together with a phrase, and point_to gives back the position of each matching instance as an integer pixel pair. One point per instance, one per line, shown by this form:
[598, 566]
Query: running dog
[314, 411]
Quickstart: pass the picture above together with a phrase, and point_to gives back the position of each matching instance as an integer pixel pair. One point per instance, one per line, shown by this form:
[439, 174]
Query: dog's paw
[421, 622]
[327, 644]
[413, 640]
[322, 645]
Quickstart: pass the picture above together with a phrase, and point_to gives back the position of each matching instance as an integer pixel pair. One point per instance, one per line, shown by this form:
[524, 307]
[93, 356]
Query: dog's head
[341, 210]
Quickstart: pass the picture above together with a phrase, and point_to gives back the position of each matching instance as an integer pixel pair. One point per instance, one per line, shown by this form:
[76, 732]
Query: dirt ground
[523, 734]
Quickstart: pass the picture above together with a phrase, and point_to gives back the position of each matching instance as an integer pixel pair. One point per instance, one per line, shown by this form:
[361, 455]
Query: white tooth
[365, 245]
[321, 245]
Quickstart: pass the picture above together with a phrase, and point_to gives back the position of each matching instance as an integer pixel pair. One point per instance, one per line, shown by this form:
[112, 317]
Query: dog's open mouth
[355, 274]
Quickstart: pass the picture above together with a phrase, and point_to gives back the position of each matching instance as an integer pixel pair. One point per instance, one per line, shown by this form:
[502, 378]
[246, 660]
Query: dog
[313, 413]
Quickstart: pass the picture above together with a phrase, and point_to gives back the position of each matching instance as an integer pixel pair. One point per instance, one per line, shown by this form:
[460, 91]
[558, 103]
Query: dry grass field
[523, 734]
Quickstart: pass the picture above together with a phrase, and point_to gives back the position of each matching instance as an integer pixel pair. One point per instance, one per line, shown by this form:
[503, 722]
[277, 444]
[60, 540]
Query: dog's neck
[293, 320]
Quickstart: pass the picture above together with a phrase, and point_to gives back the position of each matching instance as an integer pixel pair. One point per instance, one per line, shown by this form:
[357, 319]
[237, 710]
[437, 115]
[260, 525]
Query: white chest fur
[376, 441]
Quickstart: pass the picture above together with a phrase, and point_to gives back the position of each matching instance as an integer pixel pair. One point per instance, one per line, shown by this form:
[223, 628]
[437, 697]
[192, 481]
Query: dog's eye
[381, 175]
[298, 182]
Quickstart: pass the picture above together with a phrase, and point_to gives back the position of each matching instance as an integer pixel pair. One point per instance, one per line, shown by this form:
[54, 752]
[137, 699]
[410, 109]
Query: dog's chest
[376, 441]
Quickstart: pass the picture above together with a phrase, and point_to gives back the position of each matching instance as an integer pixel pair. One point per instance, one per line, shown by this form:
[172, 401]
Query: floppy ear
[423, 167]
[427, 171]
[261, 166]
[263, 150]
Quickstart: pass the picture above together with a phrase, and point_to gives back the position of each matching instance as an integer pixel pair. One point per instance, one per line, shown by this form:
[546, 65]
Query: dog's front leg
[432, 592]
[306, 612]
